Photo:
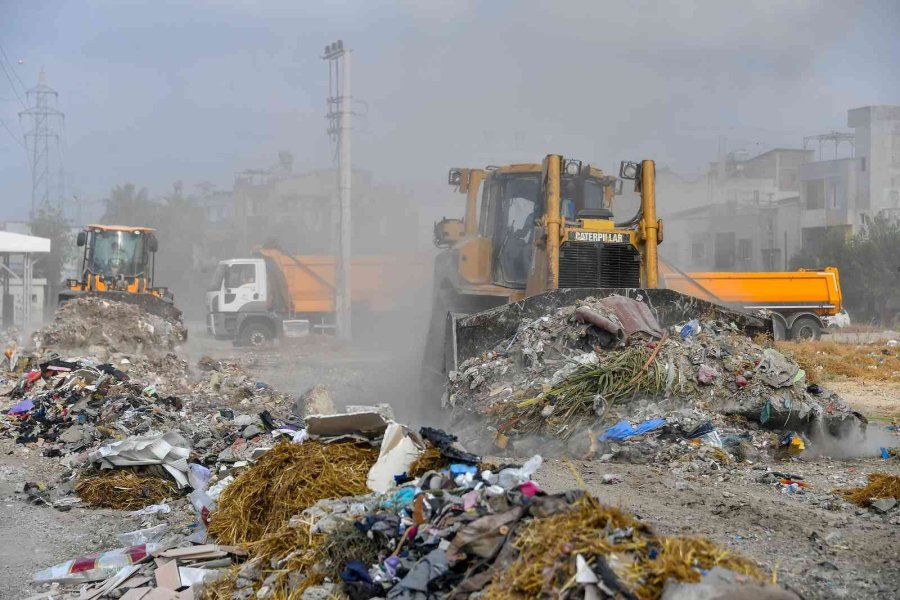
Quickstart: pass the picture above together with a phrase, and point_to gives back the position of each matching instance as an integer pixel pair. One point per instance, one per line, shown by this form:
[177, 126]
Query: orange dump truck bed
[375, 281]
[817, 292]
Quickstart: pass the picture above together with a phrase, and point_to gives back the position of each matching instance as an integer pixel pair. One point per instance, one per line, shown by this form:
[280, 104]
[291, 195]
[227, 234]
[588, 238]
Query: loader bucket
[470, 335]
[148, 302]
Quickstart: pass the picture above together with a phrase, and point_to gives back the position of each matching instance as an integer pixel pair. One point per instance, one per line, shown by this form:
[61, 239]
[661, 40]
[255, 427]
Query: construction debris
[354, 504]
[117, 326]
[463, 533]
[562, 378]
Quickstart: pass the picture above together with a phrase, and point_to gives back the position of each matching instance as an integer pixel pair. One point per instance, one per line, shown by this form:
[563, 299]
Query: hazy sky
[161, 91]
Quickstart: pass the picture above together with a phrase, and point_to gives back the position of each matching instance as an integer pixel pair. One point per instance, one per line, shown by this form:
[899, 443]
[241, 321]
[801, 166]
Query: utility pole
[44, 118]
[339, 115]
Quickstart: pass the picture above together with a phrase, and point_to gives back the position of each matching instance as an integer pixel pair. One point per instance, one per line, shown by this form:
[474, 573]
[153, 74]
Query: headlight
[572, 167]
[454, 177]
[629, 170]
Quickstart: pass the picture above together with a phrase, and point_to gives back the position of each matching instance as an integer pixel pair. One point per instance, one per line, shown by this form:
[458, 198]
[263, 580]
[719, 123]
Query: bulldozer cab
[515, 209]
[540, 226]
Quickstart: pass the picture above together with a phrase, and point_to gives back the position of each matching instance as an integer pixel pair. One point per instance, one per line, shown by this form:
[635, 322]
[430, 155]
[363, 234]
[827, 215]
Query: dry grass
[680, 558]
[430, 460]
[123, 489]
[256, 510]
[288, 479]
[824, 360]
[881, 485]
[545, 565]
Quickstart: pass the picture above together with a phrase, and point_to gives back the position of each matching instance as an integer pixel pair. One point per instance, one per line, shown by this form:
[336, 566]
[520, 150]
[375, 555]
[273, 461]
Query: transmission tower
[43, 142]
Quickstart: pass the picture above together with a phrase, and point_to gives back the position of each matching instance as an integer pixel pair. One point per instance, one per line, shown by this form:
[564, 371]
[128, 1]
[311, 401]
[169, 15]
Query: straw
[123, 489]
[633, 555]
[881, 485]
[286, 480]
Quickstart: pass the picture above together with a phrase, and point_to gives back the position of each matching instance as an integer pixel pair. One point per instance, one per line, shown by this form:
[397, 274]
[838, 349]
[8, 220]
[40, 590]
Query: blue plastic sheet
[22, 407]
[623, 429]
[460, 469]
[403, 497]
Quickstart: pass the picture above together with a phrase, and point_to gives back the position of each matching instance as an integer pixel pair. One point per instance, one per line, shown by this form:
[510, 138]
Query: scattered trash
[689, 329]
[624, 430]
[169, 450]
[94, 567]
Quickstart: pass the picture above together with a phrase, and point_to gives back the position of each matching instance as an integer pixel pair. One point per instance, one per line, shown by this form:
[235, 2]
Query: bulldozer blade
[473, 334]
[148, 302]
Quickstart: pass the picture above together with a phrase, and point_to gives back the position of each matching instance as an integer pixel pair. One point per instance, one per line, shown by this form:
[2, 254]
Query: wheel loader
[119, 263]
[542, 236]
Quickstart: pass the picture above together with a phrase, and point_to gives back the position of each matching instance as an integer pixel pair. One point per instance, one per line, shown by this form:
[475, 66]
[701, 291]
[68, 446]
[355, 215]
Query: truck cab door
[242, 286]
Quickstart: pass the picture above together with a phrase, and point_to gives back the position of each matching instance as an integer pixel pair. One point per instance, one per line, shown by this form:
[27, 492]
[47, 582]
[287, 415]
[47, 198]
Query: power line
[11, 68]
[9, 77]
[11, 84]
[18, 141]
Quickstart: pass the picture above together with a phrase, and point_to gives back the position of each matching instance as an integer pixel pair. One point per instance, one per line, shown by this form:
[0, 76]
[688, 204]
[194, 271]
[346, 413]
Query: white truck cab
[238, 303]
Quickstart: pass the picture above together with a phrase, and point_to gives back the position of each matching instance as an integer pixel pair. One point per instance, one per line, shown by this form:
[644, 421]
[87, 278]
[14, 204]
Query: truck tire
[255, 334]
[806, 329]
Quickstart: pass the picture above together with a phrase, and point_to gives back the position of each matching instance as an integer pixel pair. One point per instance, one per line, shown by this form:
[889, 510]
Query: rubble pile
[114, 326]
[606, 368]
[462, 532]
[132, 413]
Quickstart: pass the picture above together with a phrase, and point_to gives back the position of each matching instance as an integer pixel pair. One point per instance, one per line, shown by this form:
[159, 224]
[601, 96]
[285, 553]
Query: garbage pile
[91, 321]
[603, 371]
[460, 531]
[142, 570]
[142, 418]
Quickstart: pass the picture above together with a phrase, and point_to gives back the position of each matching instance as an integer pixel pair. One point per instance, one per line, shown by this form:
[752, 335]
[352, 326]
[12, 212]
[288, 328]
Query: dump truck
[801, 303]
[541, 236]
[253, 301]
[119, 263]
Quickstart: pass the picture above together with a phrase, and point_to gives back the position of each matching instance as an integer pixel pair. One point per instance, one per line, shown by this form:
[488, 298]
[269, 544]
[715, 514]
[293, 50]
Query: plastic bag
[97, 566]
[143, 536]
[151, 510]
[513, 478]
[204, 505]
[198, 476]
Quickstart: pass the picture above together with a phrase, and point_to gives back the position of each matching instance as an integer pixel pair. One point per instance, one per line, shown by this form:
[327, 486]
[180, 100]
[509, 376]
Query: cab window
[239, 275]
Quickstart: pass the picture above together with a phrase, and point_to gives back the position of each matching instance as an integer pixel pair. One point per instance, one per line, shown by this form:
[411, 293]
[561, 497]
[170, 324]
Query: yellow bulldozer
[542, 236]
[119, 263]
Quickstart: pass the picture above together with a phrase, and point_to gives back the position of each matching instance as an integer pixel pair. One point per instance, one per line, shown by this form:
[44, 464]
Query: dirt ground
[875, 399]
[816, 545]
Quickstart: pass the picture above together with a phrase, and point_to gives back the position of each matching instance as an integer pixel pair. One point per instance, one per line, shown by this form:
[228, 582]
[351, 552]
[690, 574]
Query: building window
[725, 254]
[698, 251]
[745, 249]
[814, 191]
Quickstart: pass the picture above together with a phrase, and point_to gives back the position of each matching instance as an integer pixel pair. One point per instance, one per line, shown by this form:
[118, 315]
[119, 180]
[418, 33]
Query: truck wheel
[806, 329]
[256, 335]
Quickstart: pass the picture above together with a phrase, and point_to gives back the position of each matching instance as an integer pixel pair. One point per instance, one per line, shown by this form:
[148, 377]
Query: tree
[51, 223]
[868, 264]
[127, 205]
